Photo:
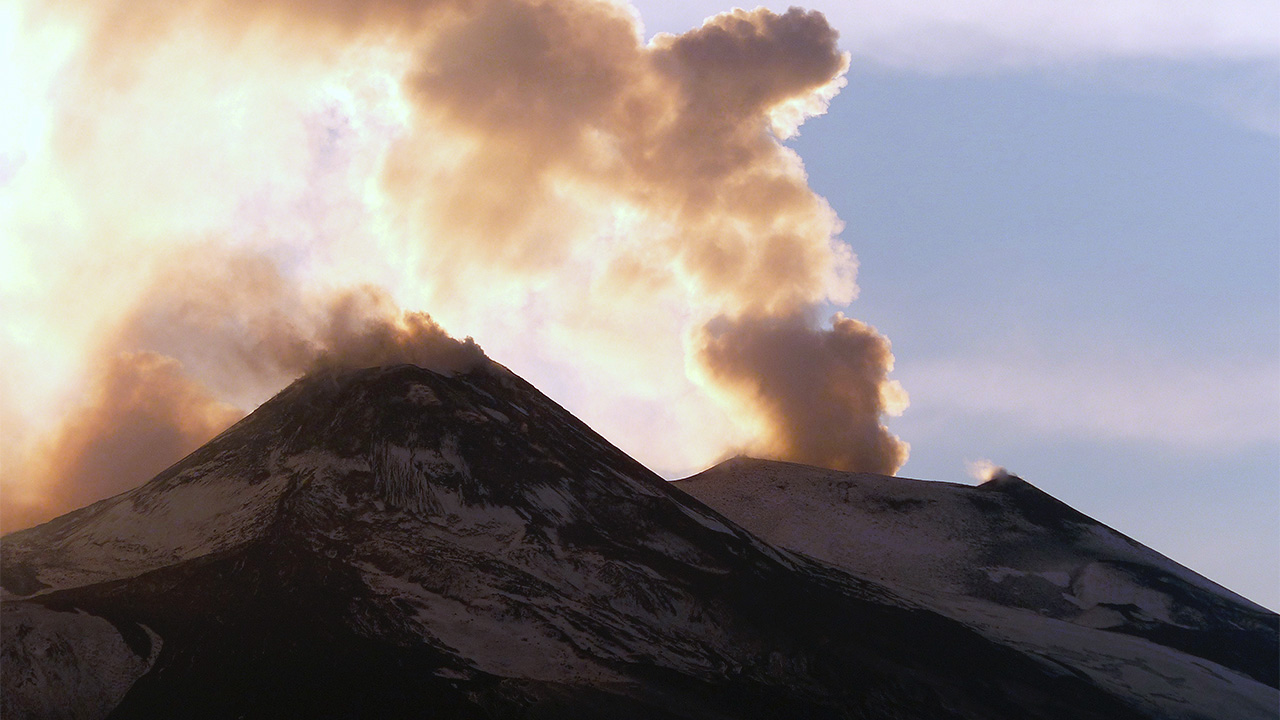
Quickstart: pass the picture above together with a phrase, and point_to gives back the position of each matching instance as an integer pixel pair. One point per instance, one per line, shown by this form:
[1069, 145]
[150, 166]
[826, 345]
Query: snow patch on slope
[1104, 584]
[1163, 682]
[143, 530]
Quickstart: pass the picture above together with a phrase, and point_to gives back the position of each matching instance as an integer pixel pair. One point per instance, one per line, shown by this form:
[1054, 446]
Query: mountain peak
[1037, 505]
[373, 542]
[400, 438]
[1001, 478]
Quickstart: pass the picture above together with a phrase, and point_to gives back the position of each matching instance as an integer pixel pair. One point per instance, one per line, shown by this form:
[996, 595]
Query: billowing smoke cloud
[683, 131]
[559, 116]
[531, 171]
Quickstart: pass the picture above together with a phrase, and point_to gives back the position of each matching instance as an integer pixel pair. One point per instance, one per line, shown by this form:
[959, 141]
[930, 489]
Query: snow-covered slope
[394, 542]
[1025, 568]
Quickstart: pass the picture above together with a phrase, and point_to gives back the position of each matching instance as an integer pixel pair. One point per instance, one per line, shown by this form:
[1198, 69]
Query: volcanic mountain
[398, 542]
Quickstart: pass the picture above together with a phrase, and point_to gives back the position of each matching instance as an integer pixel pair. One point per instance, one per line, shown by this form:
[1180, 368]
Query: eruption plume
[820, 394]
[142, 413]
[237, 191]
[145, 410]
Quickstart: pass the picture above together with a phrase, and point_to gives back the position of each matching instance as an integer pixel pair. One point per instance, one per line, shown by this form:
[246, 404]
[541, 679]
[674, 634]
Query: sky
[1064, 219]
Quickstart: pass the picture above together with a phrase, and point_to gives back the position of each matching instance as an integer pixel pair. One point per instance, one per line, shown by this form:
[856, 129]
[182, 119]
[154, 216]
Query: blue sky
[1069, 227]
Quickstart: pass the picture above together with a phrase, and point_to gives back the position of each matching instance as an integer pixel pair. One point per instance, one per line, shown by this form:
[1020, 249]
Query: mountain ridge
[1005, 542]
[378, 540]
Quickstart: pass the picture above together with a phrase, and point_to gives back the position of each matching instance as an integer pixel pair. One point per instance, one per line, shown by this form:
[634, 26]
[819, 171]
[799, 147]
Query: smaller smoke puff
[818, 394]
[985, 471]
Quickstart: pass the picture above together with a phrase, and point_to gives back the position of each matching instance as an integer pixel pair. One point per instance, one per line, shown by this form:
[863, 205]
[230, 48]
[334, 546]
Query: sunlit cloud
[1221, 407]
[142, 412]
[995, 33]
[977, 35]
[984, 470]
[1223, 56]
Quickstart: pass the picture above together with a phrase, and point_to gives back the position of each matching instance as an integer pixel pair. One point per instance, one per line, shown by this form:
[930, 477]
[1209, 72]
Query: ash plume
[143, 413]
[985, 471]
[363, 328]
[532, 171]
[238, 317]
[820, 393]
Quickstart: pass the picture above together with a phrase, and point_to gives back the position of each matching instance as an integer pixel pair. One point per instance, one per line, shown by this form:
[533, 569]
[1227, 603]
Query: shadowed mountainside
[377, 542]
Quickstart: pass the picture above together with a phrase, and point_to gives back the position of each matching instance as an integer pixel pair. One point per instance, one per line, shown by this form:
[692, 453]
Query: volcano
[1011, 560]
[397, 542]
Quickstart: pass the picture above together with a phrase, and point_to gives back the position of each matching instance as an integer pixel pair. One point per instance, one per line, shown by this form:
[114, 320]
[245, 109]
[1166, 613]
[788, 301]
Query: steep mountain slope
[1026, 569]
[395, 542]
